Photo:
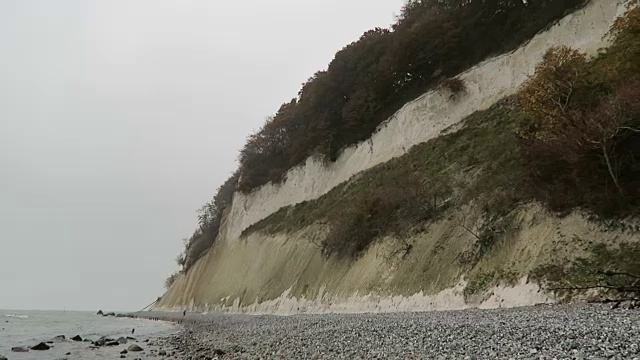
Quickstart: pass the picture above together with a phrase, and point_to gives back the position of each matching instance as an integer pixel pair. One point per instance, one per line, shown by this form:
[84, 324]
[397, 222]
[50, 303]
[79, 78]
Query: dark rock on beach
[135, 348]
[19, 349]
[122, 340]
[76, 338]
[112, 343]
[3, 358]
[104, 341]
[59, 338]
[40, 347]
[124, 351]
[99, 312]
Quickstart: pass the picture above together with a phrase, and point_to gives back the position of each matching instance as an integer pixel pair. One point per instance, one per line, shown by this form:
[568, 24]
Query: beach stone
[19, 349]
[122, 340]
[99, 312]
[3, 358]
[134, 347]
[59, 338]
[68, 353]
[76, 338]
[124, 351]
[161, 353]
[112, 343]
[218, 352]
[41, 347]
[122, 357]
[110, 314]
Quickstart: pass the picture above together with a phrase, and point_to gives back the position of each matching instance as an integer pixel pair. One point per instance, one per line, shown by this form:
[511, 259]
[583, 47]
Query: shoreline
[34, 335]
[542, 331]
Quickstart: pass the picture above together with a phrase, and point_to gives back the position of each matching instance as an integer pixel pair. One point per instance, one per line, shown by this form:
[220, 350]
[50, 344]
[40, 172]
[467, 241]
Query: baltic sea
[28, 328]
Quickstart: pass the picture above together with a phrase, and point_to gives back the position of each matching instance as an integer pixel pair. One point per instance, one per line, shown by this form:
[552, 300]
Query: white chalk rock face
[426, 117]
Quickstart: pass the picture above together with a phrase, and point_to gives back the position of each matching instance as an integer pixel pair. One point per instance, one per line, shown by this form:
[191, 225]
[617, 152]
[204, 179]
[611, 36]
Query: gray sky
[119, 118]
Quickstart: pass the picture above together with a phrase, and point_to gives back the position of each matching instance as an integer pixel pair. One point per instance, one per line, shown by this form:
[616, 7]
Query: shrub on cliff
[209, 220]
[455, 86]
[611, 273]
[170, 280]
[385, 210]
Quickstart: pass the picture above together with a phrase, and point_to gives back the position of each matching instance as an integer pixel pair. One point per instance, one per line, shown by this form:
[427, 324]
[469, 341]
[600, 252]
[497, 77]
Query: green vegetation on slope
[481, 163]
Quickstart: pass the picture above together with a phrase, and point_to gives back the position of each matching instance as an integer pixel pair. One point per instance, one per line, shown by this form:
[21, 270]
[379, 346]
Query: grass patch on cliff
[480, 163]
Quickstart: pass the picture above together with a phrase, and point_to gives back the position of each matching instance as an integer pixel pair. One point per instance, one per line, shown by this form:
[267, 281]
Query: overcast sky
[119, 118]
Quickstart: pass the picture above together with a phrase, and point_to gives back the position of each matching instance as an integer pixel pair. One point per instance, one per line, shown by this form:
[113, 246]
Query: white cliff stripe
[522, 294]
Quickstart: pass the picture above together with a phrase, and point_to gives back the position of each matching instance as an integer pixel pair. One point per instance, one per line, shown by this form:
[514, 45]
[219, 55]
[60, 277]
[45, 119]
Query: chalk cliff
[255, 271]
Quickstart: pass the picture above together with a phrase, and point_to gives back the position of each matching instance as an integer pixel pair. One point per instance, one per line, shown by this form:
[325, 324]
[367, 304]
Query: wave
[17, 316]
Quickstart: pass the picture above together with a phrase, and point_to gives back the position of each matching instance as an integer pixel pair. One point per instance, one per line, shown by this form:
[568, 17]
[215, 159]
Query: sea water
[28, 328]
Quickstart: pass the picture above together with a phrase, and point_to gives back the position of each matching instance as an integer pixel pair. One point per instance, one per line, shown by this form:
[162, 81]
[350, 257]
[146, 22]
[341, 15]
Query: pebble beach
[540, 332]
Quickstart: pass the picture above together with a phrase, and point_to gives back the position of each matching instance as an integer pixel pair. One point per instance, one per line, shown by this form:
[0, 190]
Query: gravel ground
[541, 332]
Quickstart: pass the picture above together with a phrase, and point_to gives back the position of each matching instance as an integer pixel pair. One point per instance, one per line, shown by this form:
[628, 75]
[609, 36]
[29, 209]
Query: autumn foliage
[583, 140]
[548, 94]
